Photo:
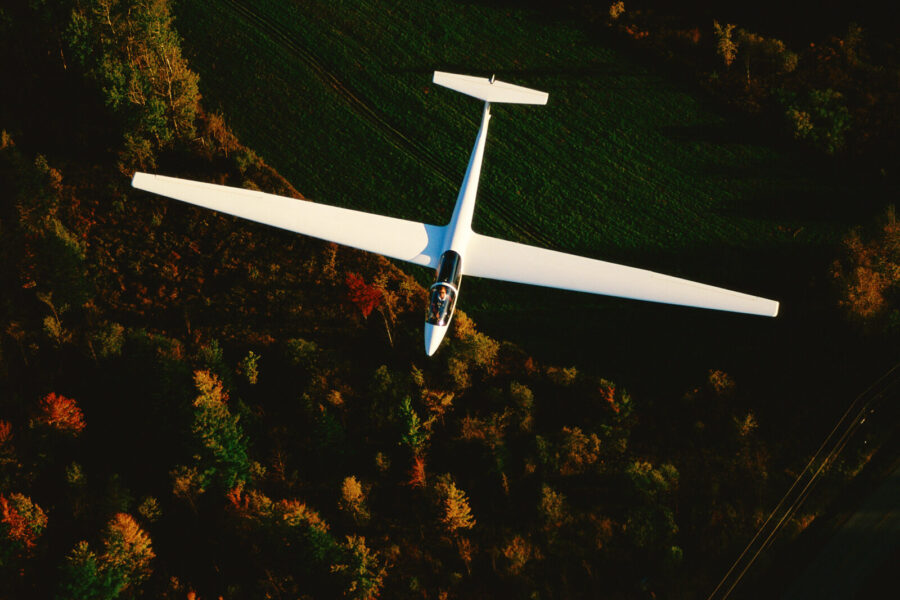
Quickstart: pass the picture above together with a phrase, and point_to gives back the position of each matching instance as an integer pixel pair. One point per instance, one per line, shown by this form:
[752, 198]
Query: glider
[454, 249]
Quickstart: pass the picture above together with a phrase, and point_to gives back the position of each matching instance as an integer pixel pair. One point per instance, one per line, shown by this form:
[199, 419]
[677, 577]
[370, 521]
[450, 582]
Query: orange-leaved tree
[21, 523]
[61, 413]
[455, 512]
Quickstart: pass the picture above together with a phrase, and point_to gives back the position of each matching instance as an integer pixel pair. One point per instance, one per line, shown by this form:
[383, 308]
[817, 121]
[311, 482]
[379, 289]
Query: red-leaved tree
[61, 413]
[362, 295]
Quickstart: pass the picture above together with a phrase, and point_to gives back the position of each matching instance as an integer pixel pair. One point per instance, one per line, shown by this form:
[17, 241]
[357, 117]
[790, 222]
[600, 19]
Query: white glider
[454, 249]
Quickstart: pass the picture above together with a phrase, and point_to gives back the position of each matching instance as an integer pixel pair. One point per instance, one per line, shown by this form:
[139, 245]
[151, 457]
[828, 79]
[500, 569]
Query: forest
[197, 407]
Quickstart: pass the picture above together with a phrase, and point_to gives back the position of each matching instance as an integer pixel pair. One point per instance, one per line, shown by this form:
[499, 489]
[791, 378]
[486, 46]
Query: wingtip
[137, 178]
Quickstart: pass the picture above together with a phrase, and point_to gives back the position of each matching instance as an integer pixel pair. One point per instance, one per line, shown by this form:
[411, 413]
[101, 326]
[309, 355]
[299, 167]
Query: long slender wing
[509, 261]
[406, 240]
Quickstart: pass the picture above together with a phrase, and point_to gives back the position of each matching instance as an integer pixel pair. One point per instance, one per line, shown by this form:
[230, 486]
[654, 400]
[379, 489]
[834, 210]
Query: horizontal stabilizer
[490, 90]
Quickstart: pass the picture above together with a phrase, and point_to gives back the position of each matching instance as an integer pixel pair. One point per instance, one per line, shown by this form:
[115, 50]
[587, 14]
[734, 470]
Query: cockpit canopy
[442, 295]
[440, 304]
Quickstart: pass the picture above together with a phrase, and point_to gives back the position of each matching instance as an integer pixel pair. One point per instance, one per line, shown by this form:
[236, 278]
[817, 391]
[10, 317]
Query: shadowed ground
[858, 551]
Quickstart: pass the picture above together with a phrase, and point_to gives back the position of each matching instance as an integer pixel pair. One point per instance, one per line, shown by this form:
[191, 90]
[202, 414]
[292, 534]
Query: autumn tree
[726, 47]
[616, 10]
[417, 475]
[275, 526]
[518, 551]
[765, 55]
[868, 273]
[249, 367]
[7, 451]
[61, 413]
[353, 499]
[579, 450]
[128, 551]
[455, 513]
[21, 524]
[363, 296]
[553, 510]
[219, 134]
[124, 564]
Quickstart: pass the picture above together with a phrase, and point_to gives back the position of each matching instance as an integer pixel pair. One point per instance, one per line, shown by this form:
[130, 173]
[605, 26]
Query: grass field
[624, 163]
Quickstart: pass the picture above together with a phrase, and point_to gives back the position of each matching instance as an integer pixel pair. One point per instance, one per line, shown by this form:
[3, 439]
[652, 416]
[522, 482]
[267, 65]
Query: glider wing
[405, 240]
[508, 261]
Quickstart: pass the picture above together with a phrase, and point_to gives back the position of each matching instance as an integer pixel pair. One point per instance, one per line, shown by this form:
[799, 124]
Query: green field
[624, 163]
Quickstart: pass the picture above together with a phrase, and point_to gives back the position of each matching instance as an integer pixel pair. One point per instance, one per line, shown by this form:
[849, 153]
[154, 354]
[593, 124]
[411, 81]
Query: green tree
[130, 49]
[820, 117]
[83, 576]
[223, 455]
[361, 569]
[42, 253]
[249, 367]
[413, 434]
[523, 402]
[650, 521]
[124, 564]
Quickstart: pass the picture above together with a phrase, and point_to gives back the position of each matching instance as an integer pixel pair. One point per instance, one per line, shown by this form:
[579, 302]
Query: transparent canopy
[440, 304]
[442, 295]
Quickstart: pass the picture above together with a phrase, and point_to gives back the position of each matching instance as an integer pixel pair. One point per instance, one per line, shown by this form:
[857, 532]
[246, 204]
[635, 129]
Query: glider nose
[433, 336]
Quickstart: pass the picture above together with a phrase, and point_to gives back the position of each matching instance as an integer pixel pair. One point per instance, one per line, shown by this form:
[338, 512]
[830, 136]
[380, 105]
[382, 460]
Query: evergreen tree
[223, 455]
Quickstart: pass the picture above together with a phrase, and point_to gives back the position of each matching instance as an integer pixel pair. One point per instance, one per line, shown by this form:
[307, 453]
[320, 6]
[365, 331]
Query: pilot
[440, 302]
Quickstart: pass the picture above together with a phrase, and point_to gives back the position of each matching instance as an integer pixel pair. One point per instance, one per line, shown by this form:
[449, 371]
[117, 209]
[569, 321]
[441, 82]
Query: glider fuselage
[443, 293]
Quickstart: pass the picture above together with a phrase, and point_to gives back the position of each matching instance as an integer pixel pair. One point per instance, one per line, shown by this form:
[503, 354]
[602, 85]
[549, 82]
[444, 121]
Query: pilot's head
[442, 292]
